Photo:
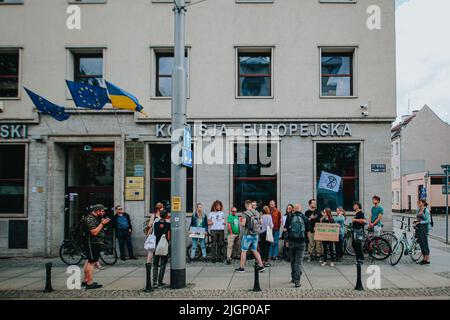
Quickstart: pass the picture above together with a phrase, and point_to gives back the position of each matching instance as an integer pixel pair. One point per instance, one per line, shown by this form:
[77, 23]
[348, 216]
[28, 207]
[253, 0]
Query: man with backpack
[251, 222]
[297, 228]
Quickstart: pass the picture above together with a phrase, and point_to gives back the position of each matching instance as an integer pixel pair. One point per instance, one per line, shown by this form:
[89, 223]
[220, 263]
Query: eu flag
[88, 96]
[46, 107]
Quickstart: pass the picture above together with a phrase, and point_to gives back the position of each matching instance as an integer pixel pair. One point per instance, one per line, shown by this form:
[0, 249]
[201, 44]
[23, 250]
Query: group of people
[256, 230]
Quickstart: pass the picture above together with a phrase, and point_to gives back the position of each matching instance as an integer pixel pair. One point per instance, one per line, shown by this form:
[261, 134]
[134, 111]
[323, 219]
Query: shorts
[249, 242]
[377, 231]
[93, 252]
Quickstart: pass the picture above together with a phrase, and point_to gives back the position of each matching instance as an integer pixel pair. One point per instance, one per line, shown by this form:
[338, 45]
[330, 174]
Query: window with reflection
[160, 177]
[250, 180]
[89, 68]
[341, 159]
[9, 73]
[164, 70]
[255, 74]
[12, 179]
[337, 74]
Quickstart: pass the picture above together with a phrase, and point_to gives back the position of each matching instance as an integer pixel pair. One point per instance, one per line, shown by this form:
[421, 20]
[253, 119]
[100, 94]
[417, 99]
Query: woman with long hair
[289, 210]
[340, 219]
[264, 245]
[154, 217]
[216, 221]
[423, 226]
[327, 217]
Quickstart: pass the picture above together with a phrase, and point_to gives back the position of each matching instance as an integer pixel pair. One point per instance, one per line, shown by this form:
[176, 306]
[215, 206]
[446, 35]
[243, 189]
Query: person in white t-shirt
[216, 222]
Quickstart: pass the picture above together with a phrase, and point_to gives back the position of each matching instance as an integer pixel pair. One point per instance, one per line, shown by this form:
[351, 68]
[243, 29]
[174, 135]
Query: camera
[365, 113]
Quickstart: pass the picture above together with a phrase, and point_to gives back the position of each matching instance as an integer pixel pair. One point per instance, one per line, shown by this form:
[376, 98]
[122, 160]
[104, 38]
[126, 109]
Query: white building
[304, 68]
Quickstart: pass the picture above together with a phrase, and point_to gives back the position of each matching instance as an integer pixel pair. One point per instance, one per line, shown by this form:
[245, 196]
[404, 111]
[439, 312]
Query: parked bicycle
[406, 247]
[376, 247]
[208, 244]
[72, 250]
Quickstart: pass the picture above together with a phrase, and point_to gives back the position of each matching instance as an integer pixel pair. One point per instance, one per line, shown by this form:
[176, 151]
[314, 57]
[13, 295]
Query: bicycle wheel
[391, 238]
[70, 253]
[416, 252]
[348, 246]
[379, 248]
[397, 253]
[108, 254]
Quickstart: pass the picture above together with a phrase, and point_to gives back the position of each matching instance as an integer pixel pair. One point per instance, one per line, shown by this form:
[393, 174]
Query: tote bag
[163, 247]
[150, 243]
[269, 235]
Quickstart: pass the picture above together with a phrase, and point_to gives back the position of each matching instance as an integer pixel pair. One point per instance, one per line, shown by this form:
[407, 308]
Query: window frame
[19, 72]
[361, 176]
[25, 183]
[341, 50]
[254, 50]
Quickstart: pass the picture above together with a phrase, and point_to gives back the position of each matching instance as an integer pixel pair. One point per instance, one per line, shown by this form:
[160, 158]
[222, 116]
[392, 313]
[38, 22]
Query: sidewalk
[25, 278]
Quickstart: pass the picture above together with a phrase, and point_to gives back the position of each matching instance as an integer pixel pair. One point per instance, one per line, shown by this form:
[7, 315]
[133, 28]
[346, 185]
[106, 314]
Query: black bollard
[148, 281]
[359, 285]
[256, 287]
[48, 277]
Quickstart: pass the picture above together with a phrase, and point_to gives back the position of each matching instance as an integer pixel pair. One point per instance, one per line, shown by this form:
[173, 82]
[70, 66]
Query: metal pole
[178, 172]
[148, 277]
[48, 277]
[446, 204]
[256, 285]
[359, 286]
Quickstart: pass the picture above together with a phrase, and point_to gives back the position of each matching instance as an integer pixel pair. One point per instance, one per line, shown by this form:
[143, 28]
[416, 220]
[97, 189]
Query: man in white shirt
[216, 221]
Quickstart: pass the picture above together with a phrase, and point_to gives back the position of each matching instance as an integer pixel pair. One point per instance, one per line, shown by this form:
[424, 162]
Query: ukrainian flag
[121, 99]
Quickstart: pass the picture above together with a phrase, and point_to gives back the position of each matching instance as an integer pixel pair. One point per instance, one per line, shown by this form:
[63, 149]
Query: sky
[423, 56]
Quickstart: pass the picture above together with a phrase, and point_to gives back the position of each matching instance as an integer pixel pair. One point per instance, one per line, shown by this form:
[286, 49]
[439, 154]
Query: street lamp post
[178, 172]
[446, 168]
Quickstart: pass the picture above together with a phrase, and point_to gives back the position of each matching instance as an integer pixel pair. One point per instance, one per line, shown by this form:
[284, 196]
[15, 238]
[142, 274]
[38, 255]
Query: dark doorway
[89, 181]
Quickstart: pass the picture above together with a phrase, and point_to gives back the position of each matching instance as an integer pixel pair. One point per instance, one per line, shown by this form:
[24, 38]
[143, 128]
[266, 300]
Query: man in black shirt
[297, 228]
[358, 223]
[315, 249]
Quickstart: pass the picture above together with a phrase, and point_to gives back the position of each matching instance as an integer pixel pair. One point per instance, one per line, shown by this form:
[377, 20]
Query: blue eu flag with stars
[88, 96]
[46, 107]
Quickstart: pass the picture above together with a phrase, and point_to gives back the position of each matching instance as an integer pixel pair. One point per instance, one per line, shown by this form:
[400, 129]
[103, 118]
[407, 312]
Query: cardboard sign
[327, 232]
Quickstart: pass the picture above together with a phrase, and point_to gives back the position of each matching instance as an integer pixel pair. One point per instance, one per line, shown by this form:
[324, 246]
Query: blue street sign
[187, 157]
[187, 138]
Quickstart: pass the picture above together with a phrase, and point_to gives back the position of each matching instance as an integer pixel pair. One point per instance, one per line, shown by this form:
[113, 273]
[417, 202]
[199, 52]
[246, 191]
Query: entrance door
[409, 203]
[89, 181]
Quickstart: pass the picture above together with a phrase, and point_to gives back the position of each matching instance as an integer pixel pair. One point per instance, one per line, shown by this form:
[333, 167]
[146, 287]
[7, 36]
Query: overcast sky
[423, 56]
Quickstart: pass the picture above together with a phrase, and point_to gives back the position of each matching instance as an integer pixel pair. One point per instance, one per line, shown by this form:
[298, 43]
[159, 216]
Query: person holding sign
[198, 228]
[327, 217]
[217, 223]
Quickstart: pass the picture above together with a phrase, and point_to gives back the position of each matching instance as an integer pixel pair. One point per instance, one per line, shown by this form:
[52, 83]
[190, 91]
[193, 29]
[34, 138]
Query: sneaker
[205, 260]
[297, 285]
[155, 286]
[261, 269]
[240, 270]
[331, 264]
[123, 259]
[228, 261]
[423, 262]
[162, 284]
[267, 265]
[94, 285]
[134, 258]
[323, 264]
[83, 284]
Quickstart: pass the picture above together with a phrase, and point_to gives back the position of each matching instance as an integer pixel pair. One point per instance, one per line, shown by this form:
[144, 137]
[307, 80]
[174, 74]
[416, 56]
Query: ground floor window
[341, 159]
[160, 177]
[12, 179]
[250, 180]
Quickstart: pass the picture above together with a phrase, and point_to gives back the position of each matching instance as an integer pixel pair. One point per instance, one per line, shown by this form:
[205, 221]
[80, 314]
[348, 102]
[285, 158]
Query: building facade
[310, 77]
[420, 146]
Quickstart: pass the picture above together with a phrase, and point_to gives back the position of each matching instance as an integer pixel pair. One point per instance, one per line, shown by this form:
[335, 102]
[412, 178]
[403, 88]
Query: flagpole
[46, 123]
[82, 121]
[118, 122]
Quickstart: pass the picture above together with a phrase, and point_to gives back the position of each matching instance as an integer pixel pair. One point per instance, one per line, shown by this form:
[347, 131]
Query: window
[88, 68]
[11, 1]
[12, 179]
[337, 73]
[9, 73]
[164, 68]
[342, 160]
[254, 73]
[160, 165]
[438, 181]
[397, 172]
[250, 182]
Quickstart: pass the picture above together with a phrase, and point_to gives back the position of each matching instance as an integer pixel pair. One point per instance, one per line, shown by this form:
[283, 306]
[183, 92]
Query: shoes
[323, 264]
[123, 258]
[261, 269]
[162, 284]
[267, 265]
[331, 264]
[240, 270]
[94, 285]
[228, 261]
[297, 285]
[134, 258]
[205, 260]
[423, 262]
[83, 284]
[155, 285]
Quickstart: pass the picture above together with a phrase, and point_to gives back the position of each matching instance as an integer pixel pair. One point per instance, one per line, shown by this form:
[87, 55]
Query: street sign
[378, 168]
[187, 138]
[187, 157]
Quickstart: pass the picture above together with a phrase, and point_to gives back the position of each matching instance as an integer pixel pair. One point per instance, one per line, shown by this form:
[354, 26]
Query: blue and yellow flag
[88, 96]
[46, 107]
[121, 99]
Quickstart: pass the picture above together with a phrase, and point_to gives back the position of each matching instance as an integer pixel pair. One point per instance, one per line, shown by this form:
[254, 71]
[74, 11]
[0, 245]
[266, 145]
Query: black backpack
[297, 227]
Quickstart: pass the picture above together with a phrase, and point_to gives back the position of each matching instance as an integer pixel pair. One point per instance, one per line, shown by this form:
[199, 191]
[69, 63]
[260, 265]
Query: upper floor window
[337, 73]
[254, 73]
[164, 62]
[9, 73]
[88, 68]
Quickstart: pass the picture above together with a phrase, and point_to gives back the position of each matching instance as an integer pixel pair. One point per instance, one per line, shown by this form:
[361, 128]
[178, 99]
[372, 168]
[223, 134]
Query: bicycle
[72, 251]
[406, 247]
[208, 244]
[376, 247]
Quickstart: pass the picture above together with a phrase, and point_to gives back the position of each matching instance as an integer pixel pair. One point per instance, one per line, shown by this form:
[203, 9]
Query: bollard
[148, 284]
[256, 287]
[48, 277]
[359, 285]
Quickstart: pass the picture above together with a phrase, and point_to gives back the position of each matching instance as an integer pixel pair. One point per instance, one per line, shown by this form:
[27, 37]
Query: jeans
[233, 245]
[328, 248]
[217, 238]
[357, 246]
[123, 236]
[297, 252]
[195, 242]
[273, 253]
[160, 261]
